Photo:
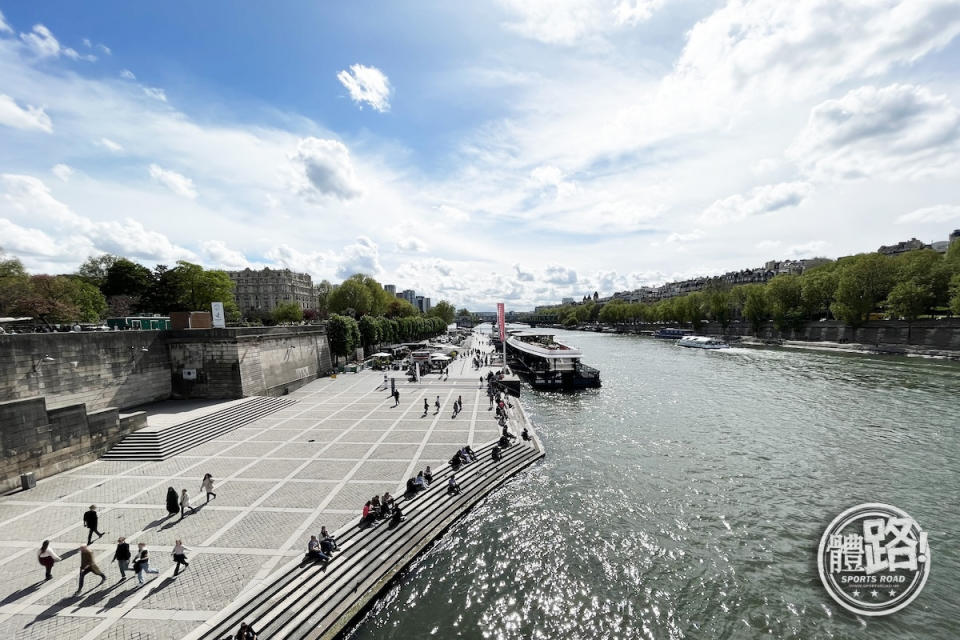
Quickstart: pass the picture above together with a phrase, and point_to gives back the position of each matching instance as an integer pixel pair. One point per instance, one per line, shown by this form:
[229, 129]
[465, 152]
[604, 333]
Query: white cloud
[111, 145]
[896, 131]
[221, 256]
[362, 256]
[787, 49]
[810, 249]
[156, 93]
[29, 199]
[44, 44]
[411, 244]
[367, 84]
[761, 200]
[13, 115]
[41, 42]
[327, 169]
[4, 27]
[126, 74]
[87, 43]
[32, 242]
[768, 244]
[549, 176]
[523, 276]
[559, 275]
[937, 213]
[105, 49]
[176, 182]
[62, 171]
[565, 22]
[682, 238]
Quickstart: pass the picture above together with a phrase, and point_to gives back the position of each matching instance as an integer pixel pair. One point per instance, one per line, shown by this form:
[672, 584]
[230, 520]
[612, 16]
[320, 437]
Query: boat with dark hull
[546, 363]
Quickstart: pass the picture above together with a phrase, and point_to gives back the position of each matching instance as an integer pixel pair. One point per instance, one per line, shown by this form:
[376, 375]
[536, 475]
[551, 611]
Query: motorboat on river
[702, 342]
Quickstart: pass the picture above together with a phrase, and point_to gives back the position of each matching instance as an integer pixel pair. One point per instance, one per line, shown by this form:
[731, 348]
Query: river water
[687, 497]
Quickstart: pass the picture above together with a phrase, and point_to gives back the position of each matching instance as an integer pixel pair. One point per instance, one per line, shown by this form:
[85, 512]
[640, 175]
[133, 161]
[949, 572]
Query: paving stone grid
[277, 481]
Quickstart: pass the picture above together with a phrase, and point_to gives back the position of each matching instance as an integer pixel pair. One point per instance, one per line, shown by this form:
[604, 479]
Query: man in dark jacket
[90, 522]
[122, 556]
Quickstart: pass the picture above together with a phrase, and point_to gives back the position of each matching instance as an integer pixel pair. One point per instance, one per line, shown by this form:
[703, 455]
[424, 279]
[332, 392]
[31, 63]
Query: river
[687, 497]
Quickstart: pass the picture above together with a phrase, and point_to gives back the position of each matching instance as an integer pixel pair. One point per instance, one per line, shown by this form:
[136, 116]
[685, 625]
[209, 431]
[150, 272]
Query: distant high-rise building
[391, 289]
[426, 305]
[409, 295]
[261, 291]
[419, 304]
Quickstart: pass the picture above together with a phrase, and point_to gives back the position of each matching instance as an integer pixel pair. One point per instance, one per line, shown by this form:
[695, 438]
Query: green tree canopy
[864, 281]
[908, 300]
[400, 308]
[126, 278]
[288, 312]
[443, 310]
[94, 269]
[352, 297]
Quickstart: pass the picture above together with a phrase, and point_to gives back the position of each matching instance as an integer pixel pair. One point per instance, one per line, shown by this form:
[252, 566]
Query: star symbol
[874, 594]
[856, 594]
[892, 592]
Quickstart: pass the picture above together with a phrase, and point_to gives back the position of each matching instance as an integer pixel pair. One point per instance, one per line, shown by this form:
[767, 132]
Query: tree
[352, 298]
[863, 282]
[288, 312]
[323, 295]
[784, 293]
[908, 300]
[570, 320]
[369, 331]
[720, 307]
[463, 312]
[399, 308]
[443, 310]
[955, 293]
[818, 286]
[62, 299]
[928, 270]
[755, 306]
[126, 278]
[94, 269]
[14, 284]
[340, 335]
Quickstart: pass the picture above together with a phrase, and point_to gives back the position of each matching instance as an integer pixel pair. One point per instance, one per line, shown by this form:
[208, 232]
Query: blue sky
[508, 150]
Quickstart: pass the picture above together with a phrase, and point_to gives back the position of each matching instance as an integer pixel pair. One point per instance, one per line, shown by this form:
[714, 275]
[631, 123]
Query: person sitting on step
[495, 454]
[525, 434]
[369, 515]
[397, 517]
[452, 486]
[375, 507]
[504, 442]
[428, 475]
[325, 535]
[313, 550]
[420, 483]
[470, 452]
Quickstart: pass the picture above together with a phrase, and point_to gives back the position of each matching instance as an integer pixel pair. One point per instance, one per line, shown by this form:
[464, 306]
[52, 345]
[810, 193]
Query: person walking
[142, 563]
[396, 397]
[185, 504]
[179, 556]
[437, 405]
[122, 556]
[173, 502]
[90, 521]
[426, 406]
[207, 486]
[47, 557]
[88, 565]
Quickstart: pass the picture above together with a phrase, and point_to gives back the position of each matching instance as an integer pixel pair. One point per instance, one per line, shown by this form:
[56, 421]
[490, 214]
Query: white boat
[702, 342]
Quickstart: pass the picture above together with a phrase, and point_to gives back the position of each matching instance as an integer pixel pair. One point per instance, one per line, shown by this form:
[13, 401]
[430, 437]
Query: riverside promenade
[278, 480]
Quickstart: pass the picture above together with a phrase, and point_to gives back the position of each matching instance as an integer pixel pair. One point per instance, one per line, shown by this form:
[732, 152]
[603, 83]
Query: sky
[512, 150]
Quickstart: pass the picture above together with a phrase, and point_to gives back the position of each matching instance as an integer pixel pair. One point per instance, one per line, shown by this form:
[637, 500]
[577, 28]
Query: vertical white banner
[219, 321]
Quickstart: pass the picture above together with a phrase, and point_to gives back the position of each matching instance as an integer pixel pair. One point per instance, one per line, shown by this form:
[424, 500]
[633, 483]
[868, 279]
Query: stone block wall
[98, 369]
[44, 442]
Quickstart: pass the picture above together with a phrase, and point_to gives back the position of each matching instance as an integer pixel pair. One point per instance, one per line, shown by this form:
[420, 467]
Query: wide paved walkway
[278, 480]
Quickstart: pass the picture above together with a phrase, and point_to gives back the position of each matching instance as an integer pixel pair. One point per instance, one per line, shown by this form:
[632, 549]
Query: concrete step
[162, 444]
[312, 600]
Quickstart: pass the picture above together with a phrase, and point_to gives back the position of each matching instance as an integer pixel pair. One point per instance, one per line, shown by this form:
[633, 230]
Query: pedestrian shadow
[16, 595]
[118, 598]
[158, 521]
[95, 596]
[54, 609]
[164, 583]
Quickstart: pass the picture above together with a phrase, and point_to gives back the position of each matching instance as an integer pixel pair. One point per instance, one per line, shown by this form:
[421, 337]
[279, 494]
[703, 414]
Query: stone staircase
[159, 444]
[311, 600]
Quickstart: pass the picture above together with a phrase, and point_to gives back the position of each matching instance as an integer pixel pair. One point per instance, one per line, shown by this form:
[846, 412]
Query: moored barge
[546, 363]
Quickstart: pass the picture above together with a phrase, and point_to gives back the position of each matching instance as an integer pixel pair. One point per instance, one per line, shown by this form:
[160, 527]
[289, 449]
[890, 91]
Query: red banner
[500, 322]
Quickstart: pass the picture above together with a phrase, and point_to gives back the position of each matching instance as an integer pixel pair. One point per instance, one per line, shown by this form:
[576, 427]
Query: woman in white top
[185, 503]
[207, 485]
[180, 556]
[46, 556]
